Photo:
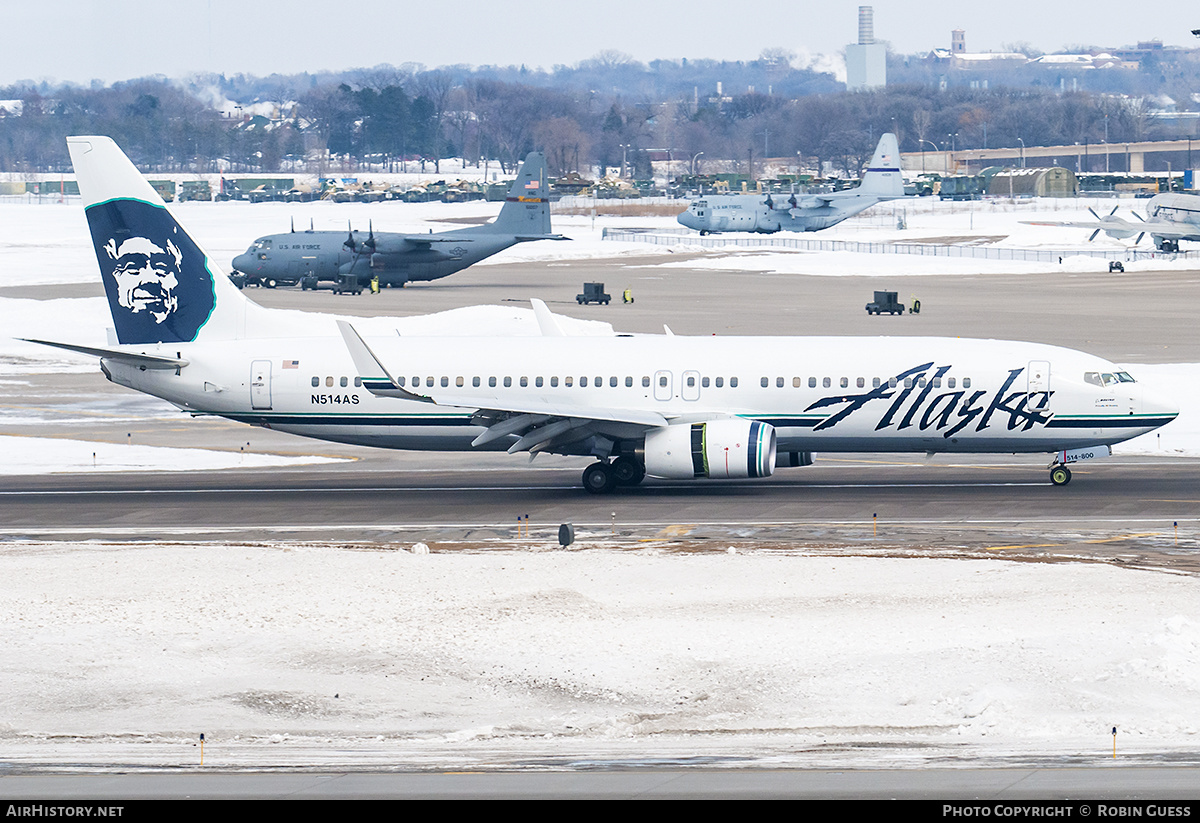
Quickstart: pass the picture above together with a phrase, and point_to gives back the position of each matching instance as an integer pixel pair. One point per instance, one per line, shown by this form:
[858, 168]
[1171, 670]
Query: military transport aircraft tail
[161, 286]
[883, 178]
[526, 211]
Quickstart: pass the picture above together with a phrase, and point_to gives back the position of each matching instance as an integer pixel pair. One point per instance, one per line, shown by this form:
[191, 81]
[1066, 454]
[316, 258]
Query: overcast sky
[81, 40]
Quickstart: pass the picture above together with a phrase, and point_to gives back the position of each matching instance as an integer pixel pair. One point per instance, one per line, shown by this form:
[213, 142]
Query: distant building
[866, 61]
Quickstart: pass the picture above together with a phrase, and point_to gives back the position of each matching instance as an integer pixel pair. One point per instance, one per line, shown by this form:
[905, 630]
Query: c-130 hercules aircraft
[351, 261]
[806, 212]
[660, 405]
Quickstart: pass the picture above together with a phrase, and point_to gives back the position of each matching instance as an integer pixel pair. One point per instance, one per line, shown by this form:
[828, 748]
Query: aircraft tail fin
[526, 211]
[161, 286]
[883, 178]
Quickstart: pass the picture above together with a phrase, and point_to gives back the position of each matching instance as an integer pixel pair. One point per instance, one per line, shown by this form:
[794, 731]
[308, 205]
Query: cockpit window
[1106, 379]
[262, 245]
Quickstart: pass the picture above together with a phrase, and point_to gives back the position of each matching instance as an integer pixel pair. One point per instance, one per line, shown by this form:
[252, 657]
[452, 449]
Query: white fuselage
[820, 393]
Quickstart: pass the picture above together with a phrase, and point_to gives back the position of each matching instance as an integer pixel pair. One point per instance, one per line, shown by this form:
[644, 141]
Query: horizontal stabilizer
[145, 361]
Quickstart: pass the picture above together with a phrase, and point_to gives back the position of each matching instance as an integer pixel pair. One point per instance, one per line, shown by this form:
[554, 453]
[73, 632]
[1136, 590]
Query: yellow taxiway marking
[676, 531]
[1053, 545]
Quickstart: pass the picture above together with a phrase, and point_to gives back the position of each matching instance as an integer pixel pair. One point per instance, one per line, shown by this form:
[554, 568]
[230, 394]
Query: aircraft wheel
[627, 471]
[1060, 475]
[598, 478]
[270, 284]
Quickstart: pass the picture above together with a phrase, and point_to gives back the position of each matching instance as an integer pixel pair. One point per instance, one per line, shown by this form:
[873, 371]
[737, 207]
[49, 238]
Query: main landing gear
[603, 477]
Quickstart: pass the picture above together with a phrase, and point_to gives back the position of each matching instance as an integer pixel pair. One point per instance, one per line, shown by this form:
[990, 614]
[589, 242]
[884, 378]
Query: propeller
[350, 244]
[370, 241]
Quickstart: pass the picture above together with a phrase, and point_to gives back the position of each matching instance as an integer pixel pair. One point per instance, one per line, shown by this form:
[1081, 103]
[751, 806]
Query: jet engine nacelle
[717, 448]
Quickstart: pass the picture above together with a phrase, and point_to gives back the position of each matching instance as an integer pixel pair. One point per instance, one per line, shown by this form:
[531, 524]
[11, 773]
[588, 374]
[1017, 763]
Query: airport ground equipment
[885, 302]
[593, 293]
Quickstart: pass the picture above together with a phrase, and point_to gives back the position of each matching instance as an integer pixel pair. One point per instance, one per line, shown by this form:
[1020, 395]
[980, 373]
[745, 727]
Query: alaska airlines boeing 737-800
[665, 406]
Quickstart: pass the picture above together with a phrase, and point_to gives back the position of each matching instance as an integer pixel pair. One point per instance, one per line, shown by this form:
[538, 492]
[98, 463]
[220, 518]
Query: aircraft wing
[853, 194]
[537, 424]
[1121, 229]
[426, 239]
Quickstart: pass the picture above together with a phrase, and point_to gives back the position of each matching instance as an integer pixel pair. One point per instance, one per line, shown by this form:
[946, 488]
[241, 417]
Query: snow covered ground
[538, 657]
[525, 654]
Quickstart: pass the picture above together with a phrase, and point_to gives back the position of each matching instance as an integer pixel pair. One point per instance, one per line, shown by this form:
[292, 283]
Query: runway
[990, 789]
[1113, 506]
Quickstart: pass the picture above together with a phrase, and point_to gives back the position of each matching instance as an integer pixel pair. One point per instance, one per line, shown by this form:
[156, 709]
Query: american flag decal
[291, 364]
[533, 184]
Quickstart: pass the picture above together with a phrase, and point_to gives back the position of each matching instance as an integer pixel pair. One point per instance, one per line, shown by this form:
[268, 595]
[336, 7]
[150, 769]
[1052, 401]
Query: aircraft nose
[686, 219]
[243, 262]
[1158, 406]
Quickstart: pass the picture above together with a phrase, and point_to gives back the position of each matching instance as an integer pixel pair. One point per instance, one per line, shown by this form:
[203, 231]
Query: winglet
[545, 319]
[375, 377]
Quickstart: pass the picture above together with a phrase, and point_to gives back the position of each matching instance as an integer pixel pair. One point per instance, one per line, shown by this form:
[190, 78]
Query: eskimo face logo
[146, 276]
[159, 286]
